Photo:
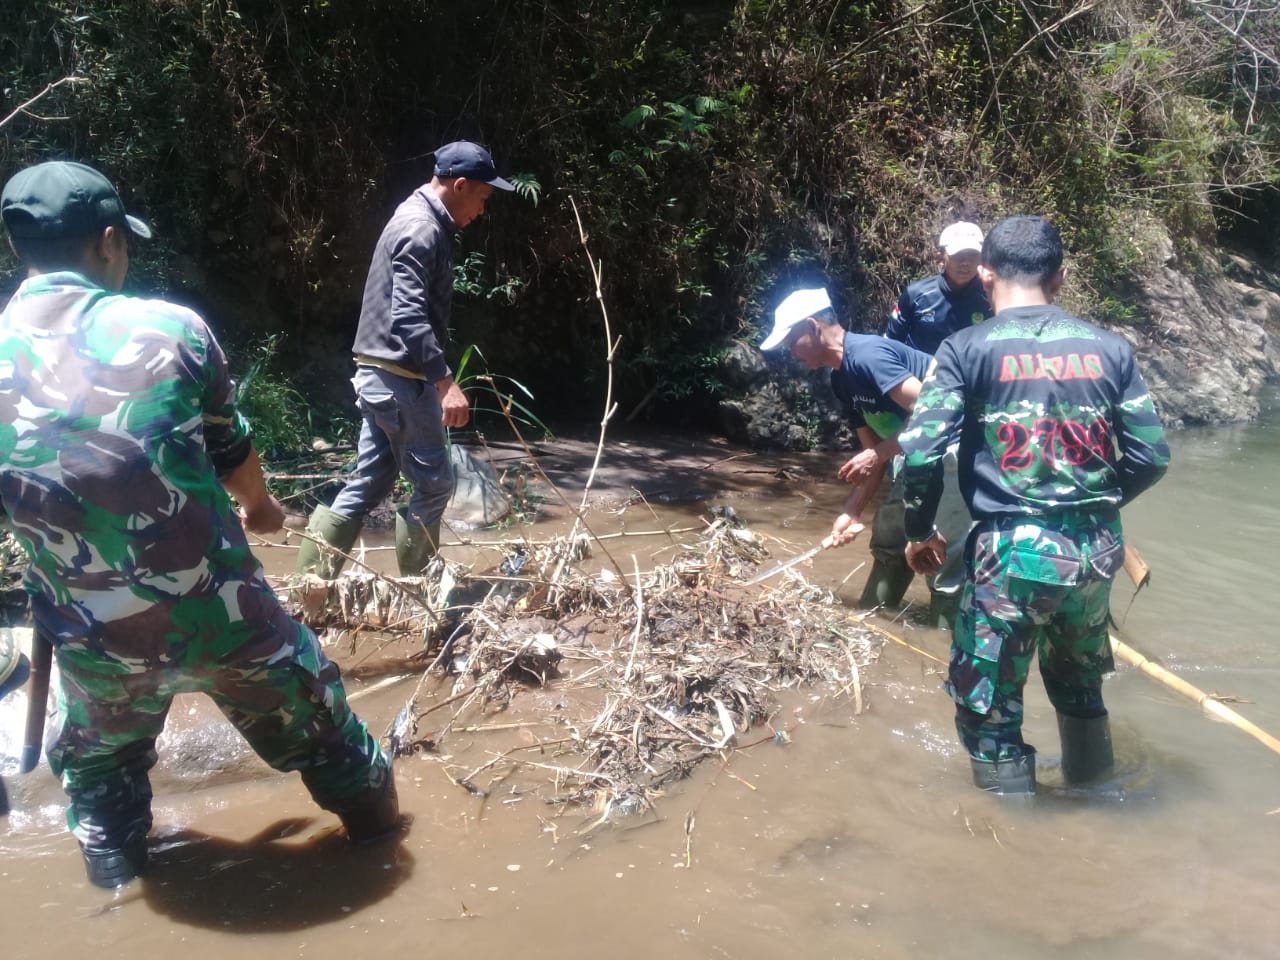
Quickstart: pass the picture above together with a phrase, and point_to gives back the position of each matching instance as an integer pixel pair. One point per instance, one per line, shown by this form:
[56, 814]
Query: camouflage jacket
[117, 416]
[1041, 404]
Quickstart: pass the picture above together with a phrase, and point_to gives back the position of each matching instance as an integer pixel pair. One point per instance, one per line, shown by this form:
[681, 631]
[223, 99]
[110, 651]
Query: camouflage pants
[275, 685]
[1035, 585]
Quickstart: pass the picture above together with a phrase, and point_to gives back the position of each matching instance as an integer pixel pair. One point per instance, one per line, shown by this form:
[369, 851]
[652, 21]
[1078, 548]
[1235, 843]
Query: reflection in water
[276, 881]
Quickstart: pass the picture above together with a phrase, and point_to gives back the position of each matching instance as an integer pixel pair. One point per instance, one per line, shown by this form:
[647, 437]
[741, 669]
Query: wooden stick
[49, 89]
[1136, 567]
[1140, 573]
[1207, 702]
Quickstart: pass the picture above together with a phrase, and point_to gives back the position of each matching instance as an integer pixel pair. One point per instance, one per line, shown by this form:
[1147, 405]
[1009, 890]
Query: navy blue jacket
[929, 311]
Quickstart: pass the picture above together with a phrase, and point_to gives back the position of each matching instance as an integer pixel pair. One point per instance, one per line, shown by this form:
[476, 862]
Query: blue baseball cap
[63, 199]
[462, 158]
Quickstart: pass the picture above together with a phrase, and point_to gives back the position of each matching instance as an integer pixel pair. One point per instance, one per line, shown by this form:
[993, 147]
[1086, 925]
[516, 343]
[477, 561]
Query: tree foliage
[720, 152]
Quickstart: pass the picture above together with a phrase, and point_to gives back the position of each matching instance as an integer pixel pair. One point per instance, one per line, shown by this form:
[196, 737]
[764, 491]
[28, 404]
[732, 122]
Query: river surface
[860, 838]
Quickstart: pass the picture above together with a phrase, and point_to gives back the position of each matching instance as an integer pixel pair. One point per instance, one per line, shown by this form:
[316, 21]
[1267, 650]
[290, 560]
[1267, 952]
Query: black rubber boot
[1086, 747]
[1015, 777]
[111, 867]
[886, 584]
[375, 815]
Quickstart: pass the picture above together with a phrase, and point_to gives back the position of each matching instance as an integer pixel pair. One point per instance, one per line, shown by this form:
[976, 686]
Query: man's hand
[259, 511]
[453, 403]
[267, 516]
[927, 556]
[858, 468]
[845, 530]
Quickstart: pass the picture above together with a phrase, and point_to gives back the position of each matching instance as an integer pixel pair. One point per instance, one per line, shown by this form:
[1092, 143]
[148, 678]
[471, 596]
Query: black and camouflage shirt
[1051, 414]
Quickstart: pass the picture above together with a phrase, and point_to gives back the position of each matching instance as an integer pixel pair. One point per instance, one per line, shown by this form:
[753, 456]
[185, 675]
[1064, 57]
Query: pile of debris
[654, 671]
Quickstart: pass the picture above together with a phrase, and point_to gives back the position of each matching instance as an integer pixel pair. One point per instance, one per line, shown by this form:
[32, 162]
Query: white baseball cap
[797, 306]
[961, 236]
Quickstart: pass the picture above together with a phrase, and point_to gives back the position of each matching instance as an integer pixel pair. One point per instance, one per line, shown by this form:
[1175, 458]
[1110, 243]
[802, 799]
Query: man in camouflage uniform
[1057, 432]
[120, 443]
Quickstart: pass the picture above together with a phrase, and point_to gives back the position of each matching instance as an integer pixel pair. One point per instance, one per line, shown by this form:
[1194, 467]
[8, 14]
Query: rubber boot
[415, 545]
[111, 867]
[1016, 777]
[334, 529]
[375, 815]
[1086, 747]
[886, 584]
[943, 608]
[14, 667]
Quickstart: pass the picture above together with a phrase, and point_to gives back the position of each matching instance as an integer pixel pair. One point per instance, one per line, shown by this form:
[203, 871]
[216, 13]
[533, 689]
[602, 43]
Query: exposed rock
[786, 407]
[743, 366]
[1210, 345]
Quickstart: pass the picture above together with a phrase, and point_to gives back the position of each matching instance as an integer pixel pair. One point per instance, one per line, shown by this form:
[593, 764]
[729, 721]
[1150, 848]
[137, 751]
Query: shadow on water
[277, 881]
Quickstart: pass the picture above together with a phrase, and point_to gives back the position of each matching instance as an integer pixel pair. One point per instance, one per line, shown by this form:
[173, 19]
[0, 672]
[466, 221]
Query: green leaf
[638, 116]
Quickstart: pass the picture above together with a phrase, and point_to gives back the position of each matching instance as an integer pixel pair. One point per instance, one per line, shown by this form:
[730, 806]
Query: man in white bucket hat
[877, 381]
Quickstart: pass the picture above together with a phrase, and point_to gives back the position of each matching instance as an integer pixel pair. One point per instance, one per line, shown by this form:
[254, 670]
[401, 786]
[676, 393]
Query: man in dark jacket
[928, 311]
[404, 386]
[1057, 432]
[937, 306]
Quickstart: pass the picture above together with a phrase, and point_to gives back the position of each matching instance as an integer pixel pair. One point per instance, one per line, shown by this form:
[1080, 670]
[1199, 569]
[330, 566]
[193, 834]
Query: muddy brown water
[861, 837]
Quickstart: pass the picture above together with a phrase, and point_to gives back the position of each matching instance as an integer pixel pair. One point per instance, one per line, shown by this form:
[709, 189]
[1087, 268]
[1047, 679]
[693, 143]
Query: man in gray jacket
[404, 386]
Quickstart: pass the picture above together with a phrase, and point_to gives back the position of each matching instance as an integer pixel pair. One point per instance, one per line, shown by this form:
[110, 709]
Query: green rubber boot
[943, 608]
[1086, 747]
[886, 584]
[334, 529]
[1015, 777]
[415, 545]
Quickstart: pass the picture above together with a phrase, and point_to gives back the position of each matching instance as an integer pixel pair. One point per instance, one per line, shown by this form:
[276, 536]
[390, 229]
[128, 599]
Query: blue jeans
[403, 433]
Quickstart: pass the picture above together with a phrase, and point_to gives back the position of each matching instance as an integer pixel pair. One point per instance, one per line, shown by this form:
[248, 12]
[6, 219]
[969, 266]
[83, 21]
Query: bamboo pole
[1207, 702]
[1210, 705]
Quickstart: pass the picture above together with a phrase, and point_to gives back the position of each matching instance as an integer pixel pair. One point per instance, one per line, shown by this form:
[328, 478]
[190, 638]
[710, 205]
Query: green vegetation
[278, 413]
[718, 152]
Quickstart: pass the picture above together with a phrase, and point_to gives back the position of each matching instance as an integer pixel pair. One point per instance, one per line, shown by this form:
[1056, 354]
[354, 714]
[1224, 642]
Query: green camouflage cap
[63, 199]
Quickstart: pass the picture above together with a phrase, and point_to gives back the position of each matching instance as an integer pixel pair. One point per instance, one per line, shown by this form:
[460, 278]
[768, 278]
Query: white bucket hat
[797, 306]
